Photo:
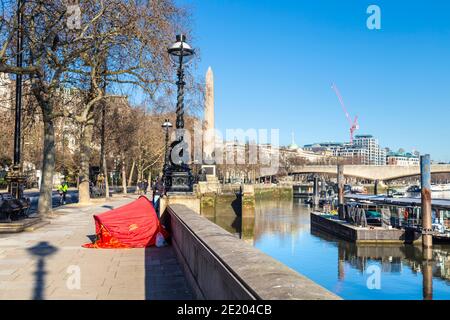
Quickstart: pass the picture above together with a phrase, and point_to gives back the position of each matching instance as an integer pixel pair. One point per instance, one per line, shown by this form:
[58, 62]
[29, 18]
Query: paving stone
[5, 262]
[10, 243]
[7, 272]
[16, 295]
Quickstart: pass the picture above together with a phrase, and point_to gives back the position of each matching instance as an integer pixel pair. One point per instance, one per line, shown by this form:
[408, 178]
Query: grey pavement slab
[49, 263]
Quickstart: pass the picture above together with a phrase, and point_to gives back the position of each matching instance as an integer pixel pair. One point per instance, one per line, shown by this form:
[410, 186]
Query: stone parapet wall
[220, 266]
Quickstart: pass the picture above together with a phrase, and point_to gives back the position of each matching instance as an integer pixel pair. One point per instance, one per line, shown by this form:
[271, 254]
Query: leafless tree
[118, 41]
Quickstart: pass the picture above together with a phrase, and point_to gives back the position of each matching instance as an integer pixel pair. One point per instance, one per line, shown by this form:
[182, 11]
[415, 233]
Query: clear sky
[274, 63]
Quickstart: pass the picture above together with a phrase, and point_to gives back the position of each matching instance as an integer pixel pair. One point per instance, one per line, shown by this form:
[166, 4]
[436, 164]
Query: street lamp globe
[167, 124]
[181, 52]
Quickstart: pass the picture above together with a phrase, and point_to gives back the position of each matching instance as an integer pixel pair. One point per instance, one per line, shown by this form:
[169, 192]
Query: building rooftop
[324, 144]
[293, 146]
[401, 154]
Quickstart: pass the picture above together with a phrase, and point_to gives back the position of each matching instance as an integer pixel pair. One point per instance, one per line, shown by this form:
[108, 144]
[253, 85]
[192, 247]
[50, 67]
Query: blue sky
[274, 63]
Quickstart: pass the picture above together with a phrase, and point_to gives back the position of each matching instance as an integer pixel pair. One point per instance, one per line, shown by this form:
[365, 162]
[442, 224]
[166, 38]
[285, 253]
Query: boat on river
[414, 189]
[405, 213]
[434, 188]
[383, 218]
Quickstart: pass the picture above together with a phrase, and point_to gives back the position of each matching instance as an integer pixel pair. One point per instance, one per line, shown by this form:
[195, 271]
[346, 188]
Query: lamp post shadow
[42, 250]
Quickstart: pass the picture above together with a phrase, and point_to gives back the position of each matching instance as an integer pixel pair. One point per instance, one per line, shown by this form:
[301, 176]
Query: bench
[13, 209]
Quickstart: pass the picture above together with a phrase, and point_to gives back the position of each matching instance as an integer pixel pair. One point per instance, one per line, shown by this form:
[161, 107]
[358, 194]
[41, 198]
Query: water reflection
[392, 259]
[282, 229]
[240, 223]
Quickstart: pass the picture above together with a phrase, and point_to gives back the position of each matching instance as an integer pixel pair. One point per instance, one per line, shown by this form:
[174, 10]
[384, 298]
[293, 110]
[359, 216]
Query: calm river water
[282, 230]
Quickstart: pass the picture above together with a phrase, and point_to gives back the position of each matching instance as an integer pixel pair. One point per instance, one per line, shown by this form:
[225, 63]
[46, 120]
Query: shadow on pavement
[92, 237]
[42, 250]
[164, 278]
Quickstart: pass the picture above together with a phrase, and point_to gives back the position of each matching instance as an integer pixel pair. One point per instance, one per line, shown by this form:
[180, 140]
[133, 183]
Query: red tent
[134, 225]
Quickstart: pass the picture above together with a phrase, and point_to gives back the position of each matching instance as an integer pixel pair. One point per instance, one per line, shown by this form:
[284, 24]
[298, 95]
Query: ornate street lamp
[166, 169]
[15, 178]
[178, 176]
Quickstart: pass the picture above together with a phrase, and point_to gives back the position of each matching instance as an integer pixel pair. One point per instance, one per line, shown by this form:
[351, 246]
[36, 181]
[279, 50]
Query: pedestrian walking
[145, 186]
[140, 187]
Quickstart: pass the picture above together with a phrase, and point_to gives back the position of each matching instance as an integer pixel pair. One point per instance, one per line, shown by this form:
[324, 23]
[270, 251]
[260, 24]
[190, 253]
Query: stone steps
[22, 225]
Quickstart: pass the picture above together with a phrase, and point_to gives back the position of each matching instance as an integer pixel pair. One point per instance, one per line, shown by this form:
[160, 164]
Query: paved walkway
[50, 263]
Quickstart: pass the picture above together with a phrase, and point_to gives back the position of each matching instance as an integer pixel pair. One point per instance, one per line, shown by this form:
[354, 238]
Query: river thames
[282, 230]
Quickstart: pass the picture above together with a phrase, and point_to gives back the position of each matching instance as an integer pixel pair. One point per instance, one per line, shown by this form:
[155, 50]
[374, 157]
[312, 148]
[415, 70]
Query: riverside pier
[373, 218]
[372, 234]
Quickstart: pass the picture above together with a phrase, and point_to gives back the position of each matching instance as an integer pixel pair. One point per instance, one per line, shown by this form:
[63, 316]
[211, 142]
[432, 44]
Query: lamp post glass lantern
[177, 174]
[181, 52]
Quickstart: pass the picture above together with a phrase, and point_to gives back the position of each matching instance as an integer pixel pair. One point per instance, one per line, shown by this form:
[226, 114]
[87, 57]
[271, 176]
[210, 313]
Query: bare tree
[51, 48]
[128, 48]
[117, 41]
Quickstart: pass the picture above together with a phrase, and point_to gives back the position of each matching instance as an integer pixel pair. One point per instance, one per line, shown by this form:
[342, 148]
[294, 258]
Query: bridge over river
[382, 173]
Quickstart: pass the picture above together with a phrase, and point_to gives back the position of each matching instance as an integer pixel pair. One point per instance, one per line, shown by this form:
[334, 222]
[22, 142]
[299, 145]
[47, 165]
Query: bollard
[425, 177]
[427, 238]
[340, 181]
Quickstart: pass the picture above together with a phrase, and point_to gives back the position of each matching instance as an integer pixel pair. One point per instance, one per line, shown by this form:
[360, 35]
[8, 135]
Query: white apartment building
[360, 154]
[375, 154]
[402, 159]
[365, 150]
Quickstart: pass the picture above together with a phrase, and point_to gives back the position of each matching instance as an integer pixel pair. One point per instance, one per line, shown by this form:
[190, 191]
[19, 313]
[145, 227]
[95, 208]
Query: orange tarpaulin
[134, 225]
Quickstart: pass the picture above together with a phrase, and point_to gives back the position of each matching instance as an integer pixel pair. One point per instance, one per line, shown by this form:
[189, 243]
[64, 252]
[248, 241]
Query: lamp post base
[16, 181]
[13, 205]
[178, 181]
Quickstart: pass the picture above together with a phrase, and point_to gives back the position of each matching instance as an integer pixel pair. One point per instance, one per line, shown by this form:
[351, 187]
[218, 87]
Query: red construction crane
[353, 123]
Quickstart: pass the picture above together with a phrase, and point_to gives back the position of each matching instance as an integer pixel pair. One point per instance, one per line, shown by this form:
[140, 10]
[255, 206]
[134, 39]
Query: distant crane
[353, 123]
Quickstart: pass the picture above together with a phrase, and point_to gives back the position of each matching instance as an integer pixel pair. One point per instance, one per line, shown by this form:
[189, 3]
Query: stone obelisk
[209, 115]
[208, 125]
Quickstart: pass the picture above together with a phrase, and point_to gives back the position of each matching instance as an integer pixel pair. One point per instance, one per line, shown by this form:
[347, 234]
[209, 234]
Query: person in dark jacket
[158, 191]
[140, 187]
[145, 186]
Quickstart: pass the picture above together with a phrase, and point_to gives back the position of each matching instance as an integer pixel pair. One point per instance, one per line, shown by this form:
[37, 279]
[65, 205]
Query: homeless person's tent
[134, 225]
